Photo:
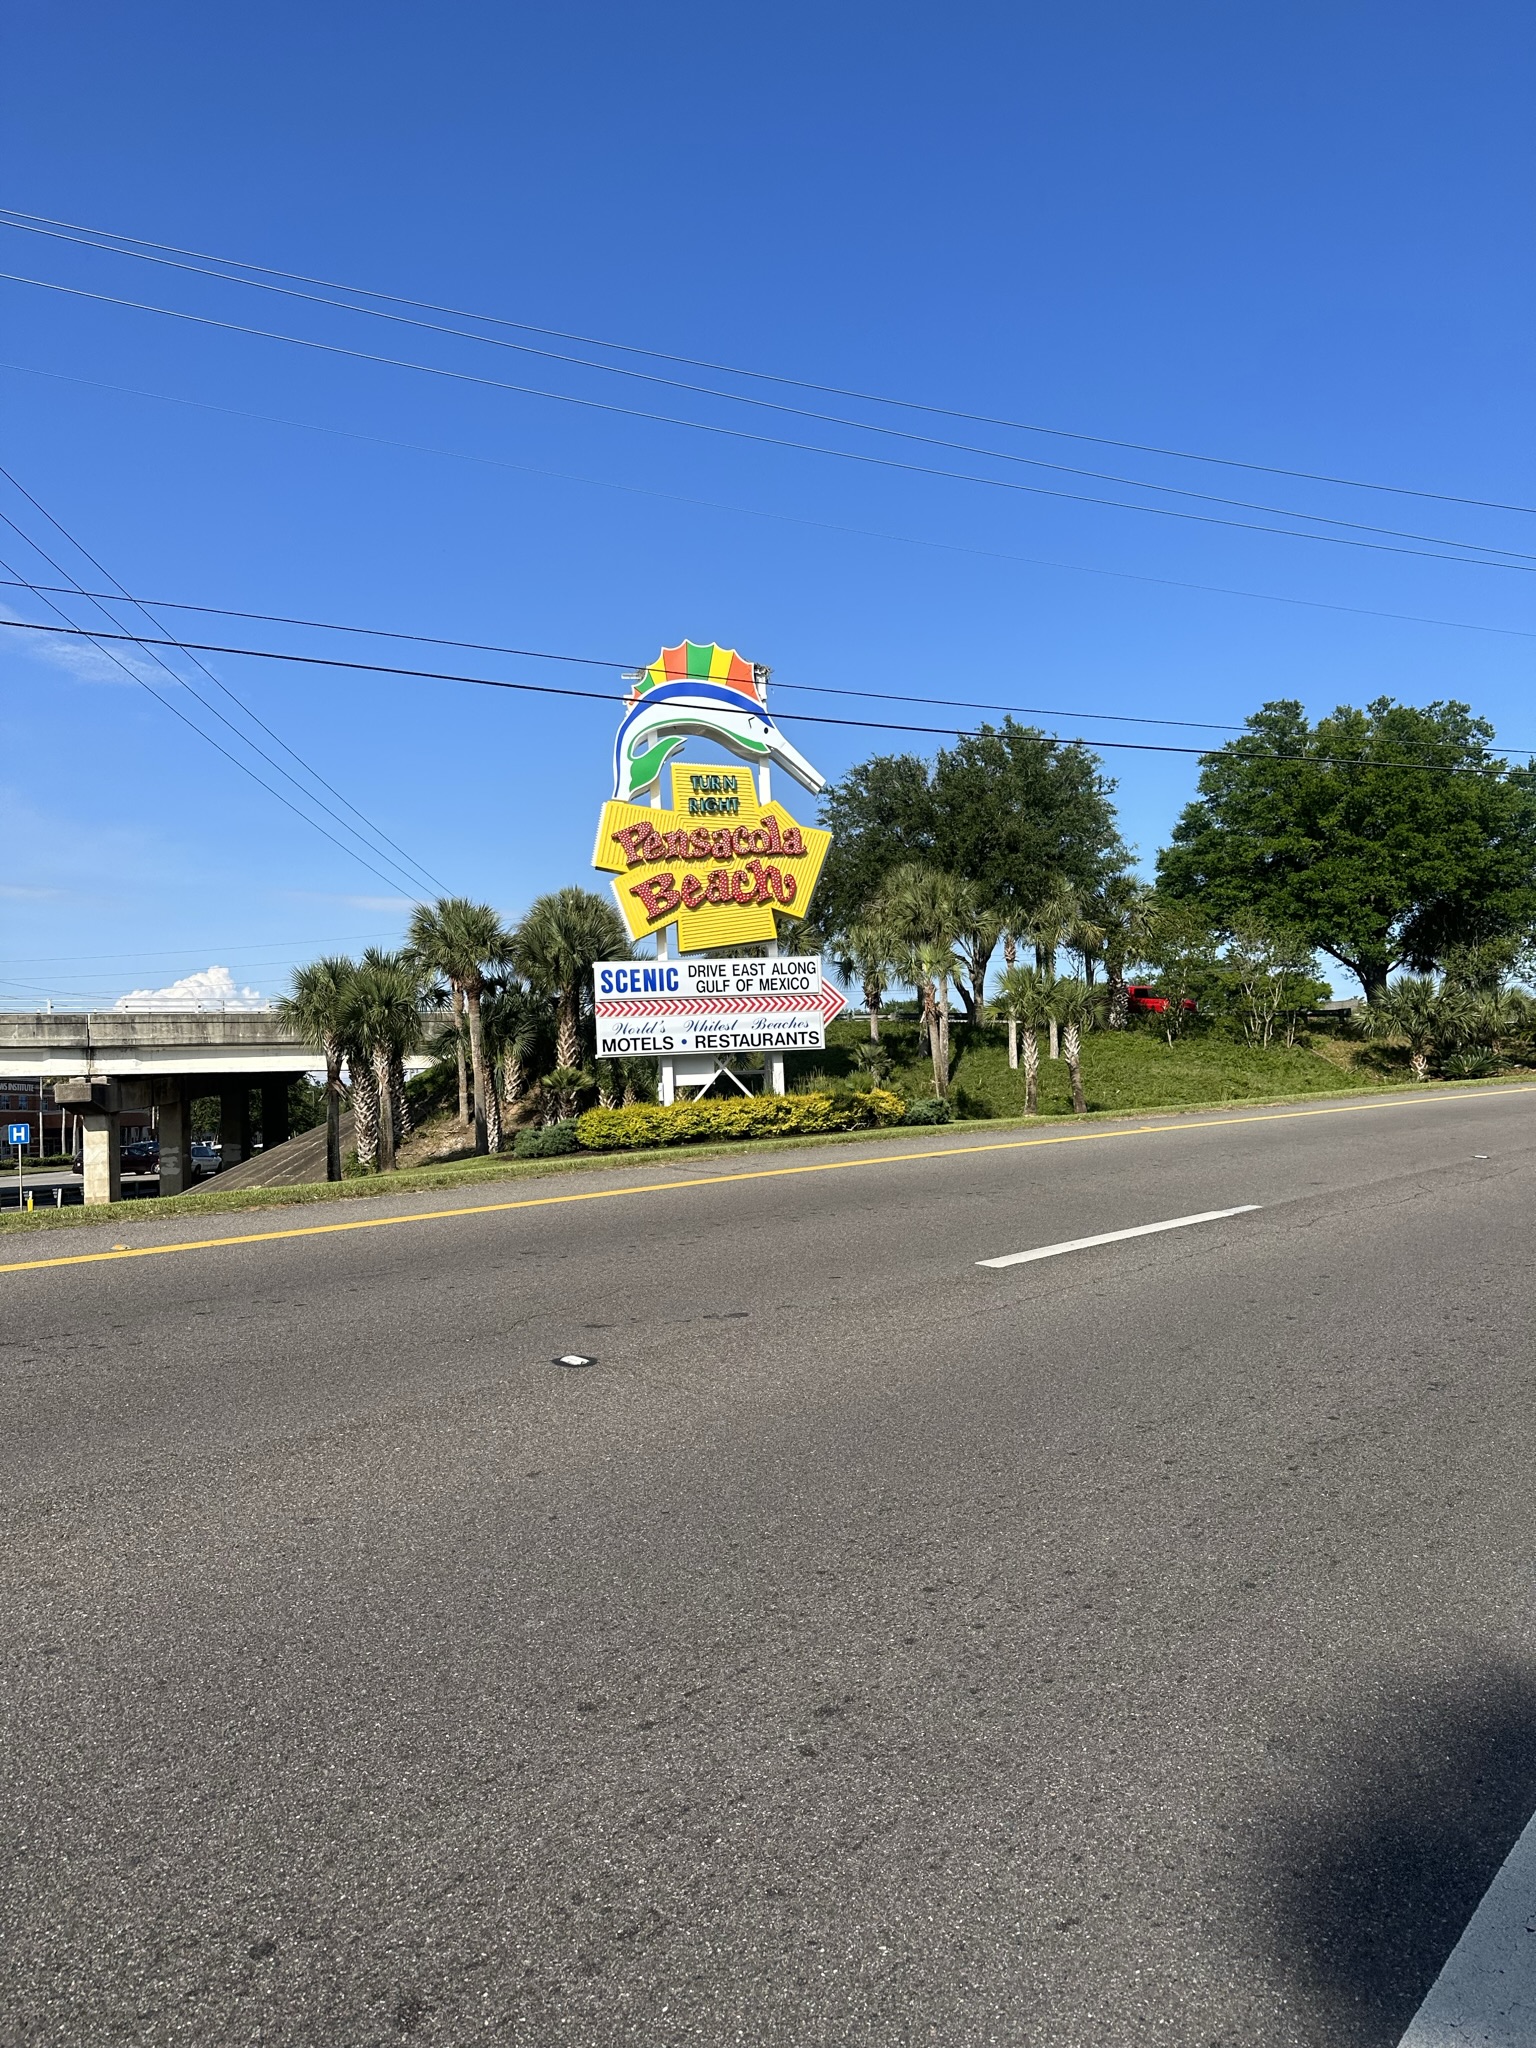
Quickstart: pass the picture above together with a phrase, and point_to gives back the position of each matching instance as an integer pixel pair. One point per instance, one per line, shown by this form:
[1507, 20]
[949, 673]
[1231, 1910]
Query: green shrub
[547, 1141]
[934, 1110]
[1475, 1064]
[645, 1124]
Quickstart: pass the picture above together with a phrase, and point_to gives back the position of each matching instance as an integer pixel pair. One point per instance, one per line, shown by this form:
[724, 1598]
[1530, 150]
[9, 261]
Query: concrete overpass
[108, 1065]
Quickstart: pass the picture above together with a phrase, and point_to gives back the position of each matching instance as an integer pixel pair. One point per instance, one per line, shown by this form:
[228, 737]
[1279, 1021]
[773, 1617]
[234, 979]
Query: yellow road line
[712, 1180]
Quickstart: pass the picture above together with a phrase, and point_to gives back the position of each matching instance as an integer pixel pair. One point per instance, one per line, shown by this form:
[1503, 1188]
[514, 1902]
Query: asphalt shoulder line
[1485, 1997]
[1083, 1244]
[1100, 1136]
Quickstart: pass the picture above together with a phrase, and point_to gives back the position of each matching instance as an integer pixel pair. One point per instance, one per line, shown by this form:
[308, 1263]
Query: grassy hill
[1122, 1070]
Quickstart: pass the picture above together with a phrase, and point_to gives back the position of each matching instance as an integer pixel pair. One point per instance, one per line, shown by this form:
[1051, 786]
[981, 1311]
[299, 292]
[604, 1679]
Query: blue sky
[1299, 236]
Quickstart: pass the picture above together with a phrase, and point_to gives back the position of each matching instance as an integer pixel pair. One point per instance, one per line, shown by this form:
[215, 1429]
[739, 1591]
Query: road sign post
[20, 1135]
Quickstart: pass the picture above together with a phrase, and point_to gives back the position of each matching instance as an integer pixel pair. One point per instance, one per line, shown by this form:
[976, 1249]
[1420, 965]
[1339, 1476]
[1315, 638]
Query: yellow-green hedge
[741, 1116]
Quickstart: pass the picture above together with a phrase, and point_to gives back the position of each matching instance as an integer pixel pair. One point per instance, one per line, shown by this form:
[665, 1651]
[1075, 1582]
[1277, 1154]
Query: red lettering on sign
[632, 838]
[658, 896]
[655, 846]
[721, 845]
[742, 840]
[693, 892]
[794, 845]
[699, 843]
[677, 845]
[747, 894]
[771, 828]
[719, 889]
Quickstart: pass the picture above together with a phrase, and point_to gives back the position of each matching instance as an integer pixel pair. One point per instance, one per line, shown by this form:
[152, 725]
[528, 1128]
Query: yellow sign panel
[717, 864]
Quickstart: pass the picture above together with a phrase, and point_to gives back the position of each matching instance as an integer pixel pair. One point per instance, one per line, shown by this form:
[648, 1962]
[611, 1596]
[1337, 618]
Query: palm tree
[925, 912]
[514, 1021]
[1121, 908]
[1430, 1018]
[863, 953]
[318, 1007]
[1027, 999]
[980, 930]
[463, 941]
[365, 1106]
[1087, 938]
[427, 938]
[1046, 926]
[404, 973]
[1075, 1006]
[384, 1025]
[554, 949]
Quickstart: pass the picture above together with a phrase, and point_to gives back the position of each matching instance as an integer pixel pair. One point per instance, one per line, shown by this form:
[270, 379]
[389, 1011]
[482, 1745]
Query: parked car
[142, 1155]
[207, 1156]
[1140, 995]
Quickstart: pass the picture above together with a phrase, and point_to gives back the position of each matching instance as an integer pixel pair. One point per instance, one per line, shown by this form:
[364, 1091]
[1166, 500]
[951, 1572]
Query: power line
[1474, 560]
[626, 667]
[38, 222]
[182, 683]
[777, 406]
[97, 638]
[781, 518]
[806, 717]
[122, 596]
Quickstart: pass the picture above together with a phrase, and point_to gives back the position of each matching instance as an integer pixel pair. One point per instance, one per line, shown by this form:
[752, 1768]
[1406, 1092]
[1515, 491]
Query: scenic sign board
[712, 1006]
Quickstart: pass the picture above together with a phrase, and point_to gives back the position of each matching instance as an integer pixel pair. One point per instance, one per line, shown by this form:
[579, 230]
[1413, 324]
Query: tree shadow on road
[1391, 1836]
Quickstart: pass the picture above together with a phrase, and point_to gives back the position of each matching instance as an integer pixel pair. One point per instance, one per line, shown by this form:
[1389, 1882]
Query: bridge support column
[234, 1121]
[173, 1117]
[274, 1112]
[101, 1147]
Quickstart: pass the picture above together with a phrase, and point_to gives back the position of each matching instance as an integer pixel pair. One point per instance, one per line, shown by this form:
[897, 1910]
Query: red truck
[1140, 995]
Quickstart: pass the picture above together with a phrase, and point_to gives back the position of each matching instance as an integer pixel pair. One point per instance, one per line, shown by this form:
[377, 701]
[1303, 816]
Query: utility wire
[778, 406]
[100, 600]
[606, 698]
[1475, 560]
[629, 667]
[948, 547]
[97, 639]
[39, 222]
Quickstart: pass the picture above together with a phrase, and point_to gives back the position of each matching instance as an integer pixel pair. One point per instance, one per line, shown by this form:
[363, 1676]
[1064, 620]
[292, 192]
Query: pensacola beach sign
[717, 864]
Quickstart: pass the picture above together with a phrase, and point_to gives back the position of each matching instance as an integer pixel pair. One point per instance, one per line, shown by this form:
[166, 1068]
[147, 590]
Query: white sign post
[705, 1008]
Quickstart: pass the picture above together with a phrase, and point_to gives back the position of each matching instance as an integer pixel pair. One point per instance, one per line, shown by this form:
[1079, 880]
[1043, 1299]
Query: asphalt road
[872, 1647]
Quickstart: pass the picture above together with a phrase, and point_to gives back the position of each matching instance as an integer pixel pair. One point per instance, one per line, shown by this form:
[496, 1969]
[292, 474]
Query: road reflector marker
[1082, 1244]
[573, 1358]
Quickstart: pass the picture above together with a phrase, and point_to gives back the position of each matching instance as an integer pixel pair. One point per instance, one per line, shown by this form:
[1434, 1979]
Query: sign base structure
[701, 1015]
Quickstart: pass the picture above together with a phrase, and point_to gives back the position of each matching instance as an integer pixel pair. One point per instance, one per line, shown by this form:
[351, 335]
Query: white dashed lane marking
[1083, 1244]
[1485, 1997]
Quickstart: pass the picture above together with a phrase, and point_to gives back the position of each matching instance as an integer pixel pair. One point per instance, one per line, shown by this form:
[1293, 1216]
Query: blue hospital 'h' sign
[18, 1134]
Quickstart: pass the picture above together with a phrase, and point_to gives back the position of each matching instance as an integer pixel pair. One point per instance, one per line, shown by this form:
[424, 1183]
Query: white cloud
[211, 988]
[88, 663]
[353, 902]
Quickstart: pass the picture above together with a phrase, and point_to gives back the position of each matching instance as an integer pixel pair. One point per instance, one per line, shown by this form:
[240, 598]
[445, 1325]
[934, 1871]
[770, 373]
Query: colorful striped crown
[690, 662]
